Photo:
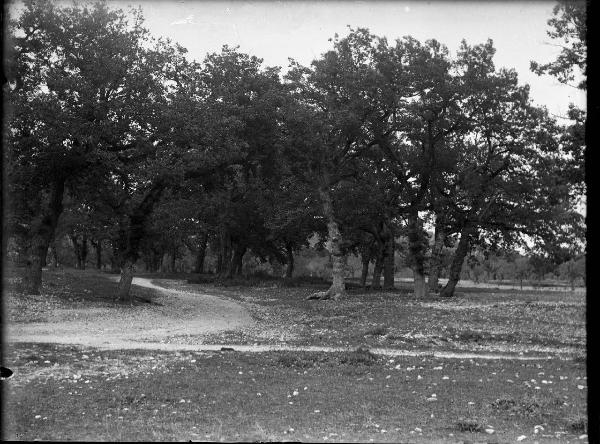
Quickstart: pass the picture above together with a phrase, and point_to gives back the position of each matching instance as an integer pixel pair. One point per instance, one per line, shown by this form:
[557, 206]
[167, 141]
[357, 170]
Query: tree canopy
[118, 138]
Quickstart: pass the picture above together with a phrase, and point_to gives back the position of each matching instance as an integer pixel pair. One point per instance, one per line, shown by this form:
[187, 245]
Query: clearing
[489, 365]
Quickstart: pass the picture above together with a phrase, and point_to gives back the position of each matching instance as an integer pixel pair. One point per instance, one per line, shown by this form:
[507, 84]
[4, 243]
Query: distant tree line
[116, 140]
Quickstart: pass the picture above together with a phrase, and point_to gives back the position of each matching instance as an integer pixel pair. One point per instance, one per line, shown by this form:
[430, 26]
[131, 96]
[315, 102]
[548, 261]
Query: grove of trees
[117, 140]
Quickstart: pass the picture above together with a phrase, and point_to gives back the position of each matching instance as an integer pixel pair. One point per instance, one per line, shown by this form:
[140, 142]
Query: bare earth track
[183, 313]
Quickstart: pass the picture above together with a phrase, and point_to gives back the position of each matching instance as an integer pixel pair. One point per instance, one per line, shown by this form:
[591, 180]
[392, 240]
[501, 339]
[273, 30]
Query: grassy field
[70, 393]
[486, 320]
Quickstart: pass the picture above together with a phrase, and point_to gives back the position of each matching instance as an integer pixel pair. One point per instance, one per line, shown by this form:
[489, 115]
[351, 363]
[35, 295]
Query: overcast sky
[275, 30]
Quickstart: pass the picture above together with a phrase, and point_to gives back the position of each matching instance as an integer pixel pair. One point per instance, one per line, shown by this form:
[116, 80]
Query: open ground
[490, 365]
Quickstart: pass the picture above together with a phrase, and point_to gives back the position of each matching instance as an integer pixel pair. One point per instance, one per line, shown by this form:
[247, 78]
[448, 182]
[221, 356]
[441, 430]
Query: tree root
[324, 295]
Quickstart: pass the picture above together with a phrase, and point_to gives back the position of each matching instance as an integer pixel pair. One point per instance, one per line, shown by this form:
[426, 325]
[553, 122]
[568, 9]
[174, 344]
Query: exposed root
[324, 295]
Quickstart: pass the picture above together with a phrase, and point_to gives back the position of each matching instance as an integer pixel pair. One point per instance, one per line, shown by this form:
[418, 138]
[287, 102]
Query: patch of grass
[476, 319]
[504, 404]
[302, 360]
[578, 425]
[141, 395]
[470, 425]
[360, 356]
[380, 330]
[69, 289]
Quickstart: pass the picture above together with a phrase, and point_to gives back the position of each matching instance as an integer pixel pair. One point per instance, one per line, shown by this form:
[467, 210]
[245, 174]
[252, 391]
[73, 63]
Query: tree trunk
[201, 254]
[173, 259]
[123, 292]
[334, 246]
[33, 276]
[365, 259]
[436, 263]
[133, 232]
[54, 254]
[45, 259]
[235, 265]
[457, 261]
[99, 254]
[289, 269]
[84, 250]
[377, 269]
[114, 261]
[276, 267]
[76, 250]
[388, 263]
[224, 259]
[42, 235]
[416, 247]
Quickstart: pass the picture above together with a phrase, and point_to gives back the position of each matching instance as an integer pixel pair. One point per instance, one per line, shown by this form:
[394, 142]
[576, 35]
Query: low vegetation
[71, 393]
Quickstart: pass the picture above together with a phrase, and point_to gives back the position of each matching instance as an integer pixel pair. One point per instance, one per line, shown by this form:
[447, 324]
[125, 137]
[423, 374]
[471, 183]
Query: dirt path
[182, 313]
[185, 314]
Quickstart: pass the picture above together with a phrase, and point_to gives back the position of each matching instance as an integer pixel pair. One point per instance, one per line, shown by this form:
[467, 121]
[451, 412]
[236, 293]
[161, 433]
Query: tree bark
[235, 265]
[289, 269]
[436, 262]
[365, 259]
[457, 260]
[173, 259]
[132, 234]
[76, 249]
[84, 250]
[334, 246]
[388, 262]
[54, 254]
[42, 234]
[416, 247]
[377, 269]
[98, 246]
[201, 254]
[224, 258]
[33, 278]
[123, 292]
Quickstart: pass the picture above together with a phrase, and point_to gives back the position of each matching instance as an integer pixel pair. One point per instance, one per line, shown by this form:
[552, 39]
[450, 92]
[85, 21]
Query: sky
[275, 30]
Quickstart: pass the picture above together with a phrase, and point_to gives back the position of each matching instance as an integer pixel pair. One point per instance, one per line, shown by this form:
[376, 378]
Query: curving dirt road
[183, 313]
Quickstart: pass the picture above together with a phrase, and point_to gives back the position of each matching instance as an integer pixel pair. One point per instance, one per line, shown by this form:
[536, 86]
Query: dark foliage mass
[117, 141]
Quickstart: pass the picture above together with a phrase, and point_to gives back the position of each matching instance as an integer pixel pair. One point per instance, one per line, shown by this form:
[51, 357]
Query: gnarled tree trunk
[436, 262]
[457, 260]
[123, 292]
[334, 246]
[42, 234]
[131, 235]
